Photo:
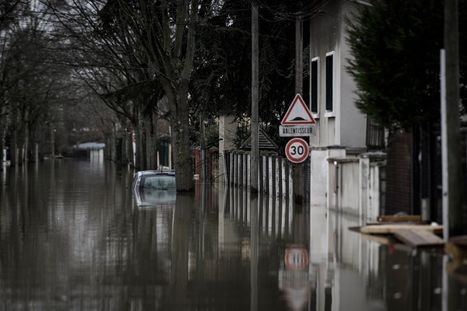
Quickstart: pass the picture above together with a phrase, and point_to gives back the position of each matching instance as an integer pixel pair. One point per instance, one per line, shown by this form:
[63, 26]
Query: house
[332, 89]
[342, 134]
[340, 166]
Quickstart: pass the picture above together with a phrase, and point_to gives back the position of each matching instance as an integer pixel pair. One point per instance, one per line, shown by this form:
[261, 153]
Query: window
[314, 85]
[158, 182]
[329, 81]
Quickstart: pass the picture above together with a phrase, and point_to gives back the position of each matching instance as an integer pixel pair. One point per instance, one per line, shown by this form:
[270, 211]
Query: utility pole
[254, 158]
[298, 169]
[452, 170]
[254, 180]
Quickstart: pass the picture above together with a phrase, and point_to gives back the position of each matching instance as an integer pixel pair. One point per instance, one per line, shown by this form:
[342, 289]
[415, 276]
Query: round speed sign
[297, 150]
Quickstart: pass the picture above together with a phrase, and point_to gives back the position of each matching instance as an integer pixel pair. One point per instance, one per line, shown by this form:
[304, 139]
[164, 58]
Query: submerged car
[155, 188]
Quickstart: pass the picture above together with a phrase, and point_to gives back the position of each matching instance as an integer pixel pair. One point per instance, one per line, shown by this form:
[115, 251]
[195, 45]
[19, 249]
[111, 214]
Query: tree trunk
[126, 148]
[2, 137]
[14, 137]
[154, 140]
[139, 145]
[3, 129]
[36, 153]
[150, 142]
[113, 144]
[52, 141]
[181, 141]
[26, 138]
[203, 171]
[144, 139]
[132, 148]
[2, 148]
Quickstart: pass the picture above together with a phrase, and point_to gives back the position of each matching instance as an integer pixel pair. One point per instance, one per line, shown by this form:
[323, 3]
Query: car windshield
[161, 182]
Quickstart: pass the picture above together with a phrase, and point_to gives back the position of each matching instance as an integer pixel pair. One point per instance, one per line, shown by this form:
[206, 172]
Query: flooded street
[72, 238]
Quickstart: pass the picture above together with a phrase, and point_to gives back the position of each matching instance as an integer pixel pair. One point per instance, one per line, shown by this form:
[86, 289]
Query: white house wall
[352, 121]
[345, 125]
[323, 39]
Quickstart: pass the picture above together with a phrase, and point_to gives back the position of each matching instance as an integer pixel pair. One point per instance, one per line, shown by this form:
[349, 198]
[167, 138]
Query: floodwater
[72, 238]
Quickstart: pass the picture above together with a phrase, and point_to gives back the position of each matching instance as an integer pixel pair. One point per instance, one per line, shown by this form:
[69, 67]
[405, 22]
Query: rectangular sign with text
[293, 131]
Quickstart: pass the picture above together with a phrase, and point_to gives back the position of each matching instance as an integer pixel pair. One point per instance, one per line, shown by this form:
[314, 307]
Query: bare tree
[141, 45]
[166, 32]
[32, 80]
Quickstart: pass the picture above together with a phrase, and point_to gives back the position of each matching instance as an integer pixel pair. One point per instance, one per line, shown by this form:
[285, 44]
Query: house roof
[265, 142]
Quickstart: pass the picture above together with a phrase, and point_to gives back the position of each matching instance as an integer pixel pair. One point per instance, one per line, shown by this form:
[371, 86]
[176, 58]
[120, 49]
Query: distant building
[90, 146]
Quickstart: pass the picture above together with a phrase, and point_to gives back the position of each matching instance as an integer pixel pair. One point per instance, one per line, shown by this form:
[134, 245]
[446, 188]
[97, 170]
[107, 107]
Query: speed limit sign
[297, 150]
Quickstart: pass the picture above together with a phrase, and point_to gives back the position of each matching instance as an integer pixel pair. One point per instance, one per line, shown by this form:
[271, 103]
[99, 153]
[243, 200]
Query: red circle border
[305, 154]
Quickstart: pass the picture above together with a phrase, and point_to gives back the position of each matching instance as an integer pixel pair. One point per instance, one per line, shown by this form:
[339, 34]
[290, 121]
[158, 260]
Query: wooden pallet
[457, 248]
[400, 218]
[391, 228]
[418, 237]
[413, 235]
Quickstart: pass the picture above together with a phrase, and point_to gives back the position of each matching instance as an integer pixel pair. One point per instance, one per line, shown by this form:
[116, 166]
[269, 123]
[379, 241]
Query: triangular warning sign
[298, 113]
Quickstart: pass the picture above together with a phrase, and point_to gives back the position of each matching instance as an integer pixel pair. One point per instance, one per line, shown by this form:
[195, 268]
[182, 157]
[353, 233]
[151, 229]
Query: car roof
[155, 173]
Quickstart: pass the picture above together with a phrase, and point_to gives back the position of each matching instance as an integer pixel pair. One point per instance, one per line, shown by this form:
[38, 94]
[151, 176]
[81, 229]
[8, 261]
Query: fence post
[290, 181]
[248, 169]
[242, 170]
[279, 173]
[364, 179]
[283, 178]
[231, 173]
[265, 173]
[273, 176]
[270, 175]
[237, 168]
[246, 173]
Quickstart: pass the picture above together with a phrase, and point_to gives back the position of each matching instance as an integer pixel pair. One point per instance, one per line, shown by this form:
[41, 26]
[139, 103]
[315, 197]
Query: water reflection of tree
[176, 297]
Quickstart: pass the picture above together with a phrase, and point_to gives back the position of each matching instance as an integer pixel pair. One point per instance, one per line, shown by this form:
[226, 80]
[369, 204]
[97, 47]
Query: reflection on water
[72, 238]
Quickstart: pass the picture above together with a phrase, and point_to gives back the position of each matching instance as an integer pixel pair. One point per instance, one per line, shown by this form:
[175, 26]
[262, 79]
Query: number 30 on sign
[297, 150]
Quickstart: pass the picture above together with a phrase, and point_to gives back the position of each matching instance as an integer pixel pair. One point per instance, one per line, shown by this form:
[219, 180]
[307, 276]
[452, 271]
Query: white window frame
[331, 113]
[317, 60]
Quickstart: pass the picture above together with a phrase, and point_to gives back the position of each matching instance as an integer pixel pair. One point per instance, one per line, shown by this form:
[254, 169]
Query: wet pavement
[72, 238]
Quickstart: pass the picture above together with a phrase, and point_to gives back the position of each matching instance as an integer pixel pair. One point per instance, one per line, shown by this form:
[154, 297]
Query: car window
[158, 182]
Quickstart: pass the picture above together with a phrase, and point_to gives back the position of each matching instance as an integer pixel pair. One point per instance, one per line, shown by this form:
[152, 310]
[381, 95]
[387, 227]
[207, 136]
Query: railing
[275, 173]
[349, 184]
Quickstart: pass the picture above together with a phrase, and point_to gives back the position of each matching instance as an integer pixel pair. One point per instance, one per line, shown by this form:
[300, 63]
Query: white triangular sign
[298, 113]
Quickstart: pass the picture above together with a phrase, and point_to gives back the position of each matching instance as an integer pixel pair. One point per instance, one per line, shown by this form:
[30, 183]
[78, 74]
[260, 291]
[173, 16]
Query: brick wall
[399, 185]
